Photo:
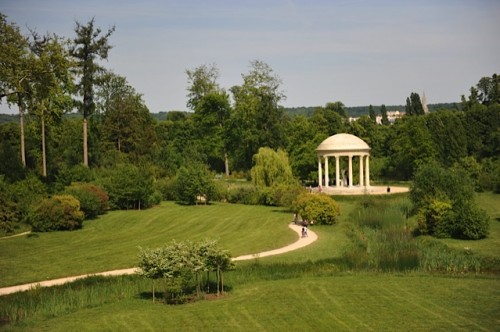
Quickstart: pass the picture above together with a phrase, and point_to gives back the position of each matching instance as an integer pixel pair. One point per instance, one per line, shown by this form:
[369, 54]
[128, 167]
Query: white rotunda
[343, 146]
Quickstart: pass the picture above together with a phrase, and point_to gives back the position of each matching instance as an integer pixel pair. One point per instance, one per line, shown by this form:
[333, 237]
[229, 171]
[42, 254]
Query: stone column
[367, 170]
[327, 176]
[361, 175]
[337, 172]
[320, 175]
[350, 170]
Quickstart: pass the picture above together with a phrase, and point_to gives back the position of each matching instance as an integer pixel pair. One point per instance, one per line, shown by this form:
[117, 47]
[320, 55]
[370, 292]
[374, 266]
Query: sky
[359, 52]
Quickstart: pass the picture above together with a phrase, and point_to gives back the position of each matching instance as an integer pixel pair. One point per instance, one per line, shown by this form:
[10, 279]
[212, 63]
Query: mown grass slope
[360, 302]
[112, 241]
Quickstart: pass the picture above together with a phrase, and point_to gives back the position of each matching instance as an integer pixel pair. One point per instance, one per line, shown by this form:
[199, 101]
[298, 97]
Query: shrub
[445, 199]
[286, 194]
[195, 182]
[9, 215]
[318, 208]
[248, 195]
[271, 167]
[435, 219]
[167, 187]
[93, 200]
[60, 212]
[77, 173]
[26, 192]
[155, 198]
[471, 222]
[128, 186]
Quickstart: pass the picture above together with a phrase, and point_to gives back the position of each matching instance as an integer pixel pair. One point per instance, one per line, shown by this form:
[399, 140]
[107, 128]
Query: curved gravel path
[301, 242]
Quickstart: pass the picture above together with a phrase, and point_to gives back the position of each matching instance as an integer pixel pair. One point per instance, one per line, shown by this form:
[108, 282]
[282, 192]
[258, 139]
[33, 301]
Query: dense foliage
[179, 264]
[138, 160]
[270, 168]
[444, 201]
[57, 213]
[195, 183]
[317, 209]
[93, 200]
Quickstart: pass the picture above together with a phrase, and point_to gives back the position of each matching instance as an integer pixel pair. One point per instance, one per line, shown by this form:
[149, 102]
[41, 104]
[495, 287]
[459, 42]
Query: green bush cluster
[195, 183]
[60, 212]
[248, 195]
[93, 200]
[128, 186]
[180, 264]
[444, 202]
[318, 208]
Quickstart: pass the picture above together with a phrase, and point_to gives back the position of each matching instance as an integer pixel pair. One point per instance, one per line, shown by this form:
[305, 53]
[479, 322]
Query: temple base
[357, 190]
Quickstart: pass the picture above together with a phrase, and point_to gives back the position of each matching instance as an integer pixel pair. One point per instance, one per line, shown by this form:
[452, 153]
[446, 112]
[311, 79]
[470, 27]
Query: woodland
[84, 128]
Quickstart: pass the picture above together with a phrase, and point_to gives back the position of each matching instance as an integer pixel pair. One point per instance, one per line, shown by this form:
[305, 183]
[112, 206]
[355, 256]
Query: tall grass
[56, 301]
[381, 236]
[437, 257]
[382, 240]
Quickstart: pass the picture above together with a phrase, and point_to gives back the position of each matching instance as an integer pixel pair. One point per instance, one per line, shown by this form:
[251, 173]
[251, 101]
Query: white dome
[342, 143]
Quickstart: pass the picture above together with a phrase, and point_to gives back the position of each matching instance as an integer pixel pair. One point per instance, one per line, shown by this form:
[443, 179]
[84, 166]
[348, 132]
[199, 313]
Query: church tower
[424, 103]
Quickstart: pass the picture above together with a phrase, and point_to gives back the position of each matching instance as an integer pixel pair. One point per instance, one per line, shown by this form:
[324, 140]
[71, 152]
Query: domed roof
[342, 143]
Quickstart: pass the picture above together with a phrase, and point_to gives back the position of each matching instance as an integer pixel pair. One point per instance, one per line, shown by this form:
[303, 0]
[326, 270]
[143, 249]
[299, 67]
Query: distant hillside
[358, 111]
[354, 112]
[4, 118]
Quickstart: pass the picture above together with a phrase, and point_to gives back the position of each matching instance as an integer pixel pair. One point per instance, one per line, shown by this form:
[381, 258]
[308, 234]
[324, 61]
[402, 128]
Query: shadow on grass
[188, 296]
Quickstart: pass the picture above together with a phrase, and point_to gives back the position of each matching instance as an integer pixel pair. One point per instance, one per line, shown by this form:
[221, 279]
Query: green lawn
[358, 302]
[111, 242]
[302, 290]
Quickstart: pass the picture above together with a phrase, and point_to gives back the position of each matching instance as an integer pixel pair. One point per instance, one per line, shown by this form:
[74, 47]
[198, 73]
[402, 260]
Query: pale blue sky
[358, 52]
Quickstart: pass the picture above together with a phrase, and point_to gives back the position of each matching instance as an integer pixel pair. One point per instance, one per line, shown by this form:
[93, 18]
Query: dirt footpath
[301, 242]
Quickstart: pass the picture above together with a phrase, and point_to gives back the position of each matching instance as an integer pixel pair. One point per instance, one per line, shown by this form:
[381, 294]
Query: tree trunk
[44, 155]
[85, 153]
[21, 124]
[226, 164]
[153, 290]
[222, 281]
[218, 281]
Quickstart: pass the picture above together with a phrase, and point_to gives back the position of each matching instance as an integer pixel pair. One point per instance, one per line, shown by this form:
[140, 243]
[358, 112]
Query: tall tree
[271, 167]
[89, 46]
[411, 146]
[126, 123]
[337, 107]
[257, 119]
[414, 105]
[211, 116]
[211, 106]
[303, 139]
[202, 80]
[372, 114]
[448, 134]
[51, 83]
[489, 89]
[328, 120]
[383, 112]
[15, 58]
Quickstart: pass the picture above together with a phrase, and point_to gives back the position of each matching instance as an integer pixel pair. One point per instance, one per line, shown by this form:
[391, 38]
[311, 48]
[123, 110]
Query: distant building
[424, 103]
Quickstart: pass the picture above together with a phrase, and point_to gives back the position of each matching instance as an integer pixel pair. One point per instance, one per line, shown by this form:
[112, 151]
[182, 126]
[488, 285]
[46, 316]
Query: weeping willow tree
[271, 167]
